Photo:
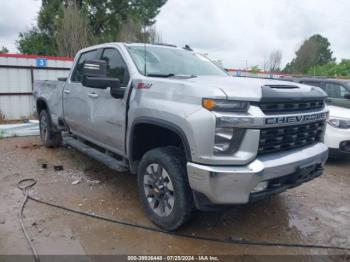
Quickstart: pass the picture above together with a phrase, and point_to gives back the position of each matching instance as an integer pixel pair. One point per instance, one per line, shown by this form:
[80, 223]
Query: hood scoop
[282, 86]
[290, 93]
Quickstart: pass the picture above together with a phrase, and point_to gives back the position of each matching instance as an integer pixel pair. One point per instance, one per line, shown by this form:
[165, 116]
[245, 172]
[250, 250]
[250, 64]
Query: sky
[238, 32]
[16, 16]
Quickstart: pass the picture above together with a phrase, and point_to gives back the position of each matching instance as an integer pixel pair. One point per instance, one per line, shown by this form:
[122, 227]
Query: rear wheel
[164, 189]
[49, 137]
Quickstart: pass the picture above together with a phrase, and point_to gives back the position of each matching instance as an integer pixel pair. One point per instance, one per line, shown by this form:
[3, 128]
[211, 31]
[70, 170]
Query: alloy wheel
[159, 190]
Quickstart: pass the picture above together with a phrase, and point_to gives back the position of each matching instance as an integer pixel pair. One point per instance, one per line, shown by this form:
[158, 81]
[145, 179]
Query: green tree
[108, 16]
[41, 39]
[74, 32]
[332, 69]
[36, 42]
[289, 68]
[255, 69]
[4, 50]
[315, 51]
[106, 19]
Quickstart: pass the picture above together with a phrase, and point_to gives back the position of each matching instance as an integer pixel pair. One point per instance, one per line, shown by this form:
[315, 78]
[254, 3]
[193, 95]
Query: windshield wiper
[171, 75]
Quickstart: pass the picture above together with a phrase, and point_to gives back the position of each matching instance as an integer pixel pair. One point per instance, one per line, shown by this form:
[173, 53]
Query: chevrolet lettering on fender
[196, 137]
[296, 119]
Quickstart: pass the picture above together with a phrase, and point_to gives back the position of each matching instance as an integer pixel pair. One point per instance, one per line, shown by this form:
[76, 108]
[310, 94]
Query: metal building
[17, 75]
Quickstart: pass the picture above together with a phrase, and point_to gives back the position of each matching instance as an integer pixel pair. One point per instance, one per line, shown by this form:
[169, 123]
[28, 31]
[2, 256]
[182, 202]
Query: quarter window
[78, 71]
[116, 67]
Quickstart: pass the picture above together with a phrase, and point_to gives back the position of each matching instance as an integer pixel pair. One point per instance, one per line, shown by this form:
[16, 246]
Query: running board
[109, 161]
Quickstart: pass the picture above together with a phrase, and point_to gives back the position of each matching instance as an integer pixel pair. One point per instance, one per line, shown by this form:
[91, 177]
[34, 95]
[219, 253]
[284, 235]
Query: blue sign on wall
[41, 62]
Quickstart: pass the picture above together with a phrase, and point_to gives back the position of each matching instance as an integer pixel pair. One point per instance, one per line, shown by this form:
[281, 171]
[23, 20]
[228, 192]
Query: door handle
[67, 91]
[93, 95]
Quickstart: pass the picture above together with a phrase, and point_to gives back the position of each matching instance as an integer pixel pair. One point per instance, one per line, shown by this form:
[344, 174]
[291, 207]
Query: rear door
[336, 93]
[75, 100]
[107, 114]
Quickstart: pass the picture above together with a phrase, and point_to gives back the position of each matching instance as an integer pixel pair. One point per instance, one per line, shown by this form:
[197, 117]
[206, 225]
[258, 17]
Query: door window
[116, 67]
[78, 71]
[335, 90]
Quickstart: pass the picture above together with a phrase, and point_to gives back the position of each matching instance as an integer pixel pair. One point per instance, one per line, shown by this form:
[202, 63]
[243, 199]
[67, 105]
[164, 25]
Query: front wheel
[164, 189]
[48, 136]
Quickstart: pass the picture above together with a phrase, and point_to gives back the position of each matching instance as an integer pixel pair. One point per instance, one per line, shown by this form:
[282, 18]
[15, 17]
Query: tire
[49, 137]
[169, 204]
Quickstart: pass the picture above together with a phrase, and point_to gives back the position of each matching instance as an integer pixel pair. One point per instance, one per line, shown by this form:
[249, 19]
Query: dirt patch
[315, 213]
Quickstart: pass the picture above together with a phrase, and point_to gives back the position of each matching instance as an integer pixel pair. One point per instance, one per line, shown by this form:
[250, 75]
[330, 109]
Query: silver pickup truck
[196, 137]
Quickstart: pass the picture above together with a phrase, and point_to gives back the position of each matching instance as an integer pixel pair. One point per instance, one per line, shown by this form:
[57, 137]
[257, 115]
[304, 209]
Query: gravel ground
[316, 213]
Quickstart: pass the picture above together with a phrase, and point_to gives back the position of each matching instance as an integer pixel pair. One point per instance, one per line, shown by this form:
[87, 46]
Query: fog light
[345, 146]
[260, 187]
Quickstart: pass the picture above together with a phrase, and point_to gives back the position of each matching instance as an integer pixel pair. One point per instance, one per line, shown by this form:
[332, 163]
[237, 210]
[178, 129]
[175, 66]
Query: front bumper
[336, 139]
[224, 185]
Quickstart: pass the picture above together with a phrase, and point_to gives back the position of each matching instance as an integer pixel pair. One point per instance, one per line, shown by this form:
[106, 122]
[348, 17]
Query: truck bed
[52, 92]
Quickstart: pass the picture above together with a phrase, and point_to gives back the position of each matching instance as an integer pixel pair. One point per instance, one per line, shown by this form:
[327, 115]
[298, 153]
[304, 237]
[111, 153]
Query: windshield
[167, 62]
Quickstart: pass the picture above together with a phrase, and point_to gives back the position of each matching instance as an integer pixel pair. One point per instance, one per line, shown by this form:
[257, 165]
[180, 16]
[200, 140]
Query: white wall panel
[19, 80]
[16, 107]
[15, 80]
[43, 74]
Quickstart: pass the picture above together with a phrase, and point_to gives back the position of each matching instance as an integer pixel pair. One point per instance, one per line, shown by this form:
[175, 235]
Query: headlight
[339, 123]
[225, 105]
[227, 140]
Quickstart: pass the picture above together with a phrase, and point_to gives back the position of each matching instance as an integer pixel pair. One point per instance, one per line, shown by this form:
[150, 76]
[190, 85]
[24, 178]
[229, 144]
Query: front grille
[282, 107]
[290, 137]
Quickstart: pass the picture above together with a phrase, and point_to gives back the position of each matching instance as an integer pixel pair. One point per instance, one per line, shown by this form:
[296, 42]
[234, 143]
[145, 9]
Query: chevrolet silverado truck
[196, 137]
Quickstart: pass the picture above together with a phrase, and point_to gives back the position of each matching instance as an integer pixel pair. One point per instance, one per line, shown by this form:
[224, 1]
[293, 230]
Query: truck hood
[242, 88]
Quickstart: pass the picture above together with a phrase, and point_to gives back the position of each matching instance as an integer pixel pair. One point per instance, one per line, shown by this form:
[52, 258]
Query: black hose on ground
[25, 185]
[32, 182]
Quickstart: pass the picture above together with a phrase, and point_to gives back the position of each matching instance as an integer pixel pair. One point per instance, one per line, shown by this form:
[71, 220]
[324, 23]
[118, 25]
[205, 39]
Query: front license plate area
[306, 173]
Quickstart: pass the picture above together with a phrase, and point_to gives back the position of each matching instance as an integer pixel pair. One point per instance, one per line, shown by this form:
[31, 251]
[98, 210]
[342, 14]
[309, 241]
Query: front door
[75, 99]
[107, 114]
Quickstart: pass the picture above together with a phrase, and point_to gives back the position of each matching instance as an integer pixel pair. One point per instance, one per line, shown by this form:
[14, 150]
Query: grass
[2, 116]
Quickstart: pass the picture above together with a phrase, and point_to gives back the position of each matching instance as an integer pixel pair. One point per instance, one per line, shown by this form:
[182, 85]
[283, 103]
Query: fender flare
[160, 123]
[46, 108]
[45, 102]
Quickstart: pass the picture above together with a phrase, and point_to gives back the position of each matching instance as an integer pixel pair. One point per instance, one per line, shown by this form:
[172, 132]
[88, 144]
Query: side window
[312, 83]
[78, 70]
[116, 67]
[335, 90]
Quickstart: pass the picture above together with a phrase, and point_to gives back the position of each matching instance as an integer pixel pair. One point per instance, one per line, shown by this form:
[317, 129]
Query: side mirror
[95, 75]
[101, 82]
[96, 68]
[117, 92]
[347, 96]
